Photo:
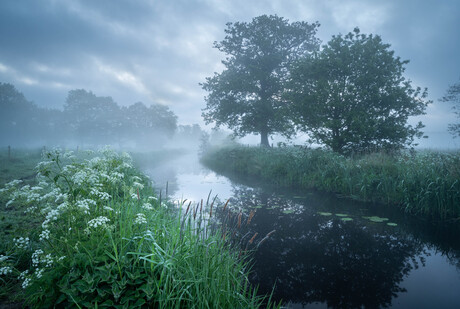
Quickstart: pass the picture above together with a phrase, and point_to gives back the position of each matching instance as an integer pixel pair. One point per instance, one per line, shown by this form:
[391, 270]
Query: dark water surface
[332, 252]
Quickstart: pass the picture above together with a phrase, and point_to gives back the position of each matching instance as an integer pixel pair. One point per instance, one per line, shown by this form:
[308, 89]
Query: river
[328, 251]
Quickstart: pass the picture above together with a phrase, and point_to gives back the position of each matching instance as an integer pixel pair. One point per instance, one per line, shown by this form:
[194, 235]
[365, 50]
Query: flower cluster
[140, 219]
[99, 221]
[21, 242]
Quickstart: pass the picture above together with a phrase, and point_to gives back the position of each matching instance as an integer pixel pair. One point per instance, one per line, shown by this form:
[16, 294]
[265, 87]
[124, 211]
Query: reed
[422, 183]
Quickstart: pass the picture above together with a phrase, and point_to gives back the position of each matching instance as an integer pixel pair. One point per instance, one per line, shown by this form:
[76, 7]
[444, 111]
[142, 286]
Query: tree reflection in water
[314, 258]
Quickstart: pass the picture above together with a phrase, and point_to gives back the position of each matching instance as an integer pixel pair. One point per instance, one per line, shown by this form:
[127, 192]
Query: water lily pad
[346, 219]
[324, 213]
[259, 206]
[376, 219]
[341, 215]
[392, 224]
[298, 197]
[288, 211]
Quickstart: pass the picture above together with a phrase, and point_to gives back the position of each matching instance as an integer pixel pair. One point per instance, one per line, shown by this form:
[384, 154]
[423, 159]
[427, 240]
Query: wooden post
[9, 152]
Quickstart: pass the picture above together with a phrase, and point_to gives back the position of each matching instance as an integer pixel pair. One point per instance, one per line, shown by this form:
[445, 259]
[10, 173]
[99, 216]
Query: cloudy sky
[157, 51]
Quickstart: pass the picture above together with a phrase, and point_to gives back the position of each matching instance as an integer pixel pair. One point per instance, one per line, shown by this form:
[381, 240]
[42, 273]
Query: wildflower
[138, 185]
[140, 219]
[39, 272]
[147, 206]
[45, 234]
[5, 270]
[23, 275]
[99, 221]
[25, 283]
[153, 198]
[21, 242]
[36, 257]
[108, 208]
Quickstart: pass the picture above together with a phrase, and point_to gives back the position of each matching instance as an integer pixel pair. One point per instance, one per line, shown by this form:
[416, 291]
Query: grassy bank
[98, 236]
[422, 183]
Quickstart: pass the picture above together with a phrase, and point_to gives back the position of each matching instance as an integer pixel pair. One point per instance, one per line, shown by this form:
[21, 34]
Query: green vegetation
[352, 96]
[246, 96]
[103, 239]
[422, 183]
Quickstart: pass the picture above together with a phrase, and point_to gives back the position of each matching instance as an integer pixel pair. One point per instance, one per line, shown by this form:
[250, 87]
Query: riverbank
[98, 235]
[425, 183]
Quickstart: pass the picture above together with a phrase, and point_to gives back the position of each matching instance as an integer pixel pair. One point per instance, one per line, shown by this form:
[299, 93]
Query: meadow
[87, 230]
[422, 183]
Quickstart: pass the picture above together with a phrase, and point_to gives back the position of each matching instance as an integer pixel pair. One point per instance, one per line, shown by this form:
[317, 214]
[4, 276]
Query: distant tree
[93, 119]
[453, 96]
[352, 96]
[18, 121]
[142, 123]
[246, 96]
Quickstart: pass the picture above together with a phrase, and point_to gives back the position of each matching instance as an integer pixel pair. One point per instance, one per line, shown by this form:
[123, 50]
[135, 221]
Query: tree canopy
[352, 96]
[246, 96]
[453, 96]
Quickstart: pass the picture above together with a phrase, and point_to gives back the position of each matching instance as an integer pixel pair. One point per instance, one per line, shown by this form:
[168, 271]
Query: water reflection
[316, 258]
[325, 259]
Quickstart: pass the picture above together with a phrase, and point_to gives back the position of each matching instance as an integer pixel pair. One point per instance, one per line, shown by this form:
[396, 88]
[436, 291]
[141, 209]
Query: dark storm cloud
[158, 51]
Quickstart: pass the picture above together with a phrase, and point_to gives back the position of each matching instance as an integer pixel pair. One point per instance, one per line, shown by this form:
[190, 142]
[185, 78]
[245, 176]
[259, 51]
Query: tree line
[349, 94]
[86, 119]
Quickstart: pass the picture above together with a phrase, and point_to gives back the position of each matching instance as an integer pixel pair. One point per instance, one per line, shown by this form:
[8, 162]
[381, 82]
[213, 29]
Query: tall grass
[422, 183]
[106, 240]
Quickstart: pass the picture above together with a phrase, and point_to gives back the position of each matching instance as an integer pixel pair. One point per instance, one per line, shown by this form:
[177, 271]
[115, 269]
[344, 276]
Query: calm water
[332, 252]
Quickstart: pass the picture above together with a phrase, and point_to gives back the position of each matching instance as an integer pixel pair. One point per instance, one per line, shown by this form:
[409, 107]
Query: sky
[158, 51]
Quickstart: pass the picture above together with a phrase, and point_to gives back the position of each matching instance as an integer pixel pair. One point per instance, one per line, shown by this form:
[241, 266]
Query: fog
[156, 52]
[87, 121]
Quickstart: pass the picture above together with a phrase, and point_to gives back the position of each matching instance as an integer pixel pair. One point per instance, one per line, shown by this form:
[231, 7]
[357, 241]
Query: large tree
[453, 96]
[352, 96]
[246, 96]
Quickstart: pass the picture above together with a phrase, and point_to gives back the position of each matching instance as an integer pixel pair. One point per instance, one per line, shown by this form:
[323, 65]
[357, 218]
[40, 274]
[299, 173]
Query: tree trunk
[264, 139]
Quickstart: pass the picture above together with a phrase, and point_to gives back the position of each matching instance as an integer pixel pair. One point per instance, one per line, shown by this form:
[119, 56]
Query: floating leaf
[341, 215]
[324, 213]
[346, 219]
[288, 211]
[391, 224]
[376, 219]
[258, 206]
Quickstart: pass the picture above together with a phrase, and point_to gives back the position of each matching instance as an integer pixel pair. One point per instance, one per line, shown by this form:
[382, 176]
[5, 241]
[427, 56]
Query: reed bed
[105, 239]
[423, 183]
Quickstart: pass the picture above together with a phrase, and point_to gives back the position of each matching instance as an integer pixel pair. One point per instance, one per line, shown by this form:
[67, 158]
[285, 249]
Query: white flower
[5, 270]
[36, 257]
[153, 198]
[140, 219]
[99, 221]
[21, 242]
[108, 208]
[3, 258]
[147, 206]
[138, 185]
[45, 234]
[26, 283]
[39, 272]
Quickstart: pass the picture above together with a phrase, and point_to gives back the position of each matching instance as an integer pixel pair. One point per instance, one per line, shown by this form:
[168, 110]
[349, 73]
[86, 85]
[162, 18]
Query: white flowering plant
[87, 217]
[104, 239]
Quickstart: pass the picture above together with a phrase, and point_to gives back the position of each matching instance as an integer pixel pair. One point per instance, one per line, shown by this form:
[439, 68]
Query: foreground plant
[106, 240]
